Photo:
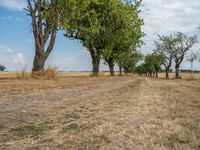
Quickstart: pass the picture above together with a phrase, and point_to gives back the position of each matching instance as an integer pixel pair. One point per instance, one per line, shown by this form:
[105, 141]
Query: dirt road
[107, 113]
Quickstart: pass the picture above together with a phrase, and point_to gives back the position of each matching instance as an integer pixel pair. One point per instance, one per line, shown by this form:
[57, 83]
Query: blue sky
[17, 45]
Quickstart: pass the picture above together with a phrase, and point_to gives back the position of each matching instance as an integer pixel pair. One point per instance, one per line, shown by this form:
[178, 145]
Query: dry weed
[48, 74]
[100, 74]
[23, 74]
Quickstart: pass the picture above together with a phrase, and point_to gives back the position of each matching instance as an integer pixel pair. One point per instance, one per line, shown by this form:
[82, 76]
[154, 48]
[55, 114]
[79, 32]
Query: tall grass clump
[49, 73]
[23, 74]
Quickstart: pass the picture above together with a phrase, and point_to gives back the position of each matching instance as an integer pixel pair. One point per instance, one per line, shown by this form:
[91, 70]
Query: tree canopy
[107, 28]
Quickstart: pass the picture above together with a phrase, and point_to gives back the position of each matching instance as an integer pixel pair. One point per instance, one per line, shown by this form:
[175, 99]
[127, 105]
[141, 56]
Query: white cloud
[12, 58]
[13, 4]
[168, 16]
[79, 61]
[5, 49]
[10, 18]
[19, 59]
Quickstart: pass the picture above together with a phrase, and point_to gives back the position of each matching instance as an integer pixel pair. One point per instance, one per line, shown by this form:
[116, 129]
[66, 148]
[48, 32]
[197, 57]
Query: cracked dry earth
[106, 113]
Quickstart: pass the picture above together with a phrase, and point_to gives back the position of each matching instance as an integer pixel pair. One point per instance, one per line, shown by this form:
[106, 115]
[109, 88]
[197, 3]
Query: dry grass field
[78, 112]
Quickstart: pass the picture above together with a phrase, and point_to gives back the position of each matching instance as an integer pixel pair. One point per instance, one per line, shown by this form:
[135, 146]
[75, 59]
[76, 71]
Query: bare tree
[192, 57]
[174, 47]
[181, 46]
[46, 18]
[164, 48]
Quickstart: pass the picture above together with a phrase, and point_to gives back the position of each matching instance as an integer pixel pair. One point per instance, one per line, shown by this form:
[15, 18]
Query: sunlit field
[13, 75]
[76, 111]
[120, 100]
[182, 75]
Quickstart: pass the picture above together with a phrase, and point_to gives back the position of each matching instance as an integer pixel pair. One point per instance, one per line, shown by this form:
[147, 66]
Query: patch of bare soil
[106, 113]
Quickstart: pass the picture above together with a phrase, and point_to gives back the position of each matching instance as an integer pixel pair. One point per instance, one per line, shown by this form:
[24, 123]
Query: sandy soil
[106, 113]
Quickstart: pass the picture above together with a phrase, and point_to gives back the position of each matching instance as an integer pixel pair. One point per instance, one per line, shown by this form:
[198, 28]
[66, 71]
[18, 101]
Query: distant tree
[182, 45]
[130, 60]
[2, 67]
[174, 47]
[46, 18]
[171, 70]
[145, 69]
[192, 57]
[155, 60]
[141, 70]
[164, 48]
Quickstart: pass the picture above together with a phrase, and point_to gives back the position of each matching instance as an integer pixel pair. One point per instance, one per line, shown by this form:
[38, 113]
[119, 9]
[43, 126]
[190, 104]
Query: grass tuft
[93, 142]
[71, 127]
[23, 74]
[33, 131]
[48, 74]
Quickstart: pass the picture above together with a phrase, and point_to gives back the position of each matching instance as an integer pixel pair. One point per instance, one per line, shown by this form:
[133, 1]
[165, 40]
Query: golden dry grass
[13, 75]
[183, 75]
[107, 113]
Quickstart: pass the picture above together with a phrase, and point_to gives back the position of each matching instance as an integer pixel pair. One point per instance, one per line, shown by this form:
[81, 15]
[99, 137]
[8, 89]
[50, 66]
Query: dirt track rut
[107, 113]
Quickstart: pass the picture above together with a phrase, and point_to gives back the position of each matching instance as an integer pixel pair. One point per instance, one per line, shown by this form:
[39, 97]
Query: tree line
[109, 29]
[168, 50]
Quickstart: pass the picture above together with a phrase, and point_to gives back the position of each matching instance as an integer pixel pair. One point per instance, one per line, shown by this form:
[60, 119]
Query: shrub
[2, 68]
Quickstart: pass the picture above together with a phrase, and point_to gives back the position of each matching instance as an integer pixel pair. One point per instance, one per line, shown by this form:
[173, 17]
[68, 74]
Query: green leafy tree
[145, 69]
[86, 25]
[124, 36]
[128, 60]
[154, 60]
[99, 26]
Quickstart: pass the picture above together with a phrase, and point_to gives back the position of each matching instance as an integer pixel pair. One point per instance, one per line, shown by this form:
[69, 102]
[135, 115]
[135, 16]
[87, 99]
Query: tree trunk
[156, 74]
[177, 72]
[126, 71]
[95, 64]
[111, 67]
[167, 73]
[150, 74]
[39, 61]
[120, 70]
[38, 64]
[192, 71]
[95, 60]
[44, 34]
